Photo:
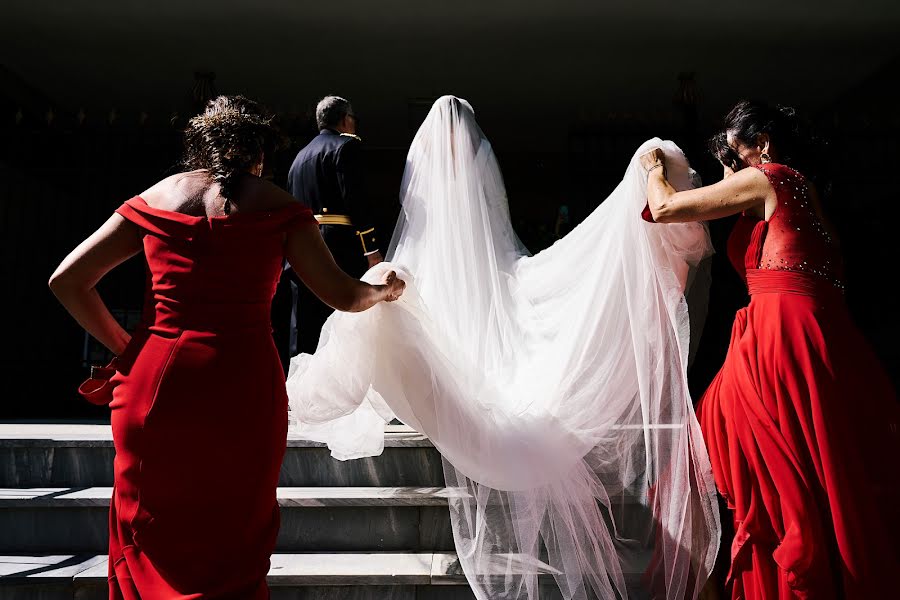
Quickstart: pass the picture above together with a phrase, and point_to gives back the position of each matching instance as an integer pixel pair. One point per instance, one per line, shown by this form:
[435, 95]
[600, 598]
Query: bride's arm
[75, 279]
[746, 190]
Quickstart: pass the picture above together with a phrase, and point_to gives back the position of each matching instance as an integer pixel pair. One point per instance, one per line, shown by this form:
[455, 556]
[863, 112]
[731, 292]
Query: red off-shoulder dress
[199, 414]
[801, 422]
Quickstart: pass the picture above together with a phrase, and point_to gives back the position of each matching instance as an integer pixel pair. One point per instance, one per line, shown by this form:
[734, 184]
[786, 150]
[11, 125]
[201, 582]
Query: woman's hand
[394, 287]
[653, 158]
[313, 263]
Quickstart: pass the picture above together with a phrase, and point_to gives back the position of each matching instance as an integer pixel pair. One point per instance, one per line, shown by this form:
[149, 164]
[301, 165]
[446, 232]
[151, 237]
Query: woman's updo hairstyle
[751, 118]
[791, 136]
[229, 138]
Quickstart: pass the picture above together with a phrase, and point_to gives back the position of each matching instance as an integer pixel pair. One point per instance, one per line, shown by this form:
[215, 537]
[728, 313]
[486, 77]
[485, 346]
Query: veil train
[553, 385]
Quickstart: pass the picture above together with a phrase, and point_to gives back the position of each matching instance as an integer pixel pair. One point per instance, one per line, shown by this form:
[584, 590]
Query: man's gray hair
[330, 111]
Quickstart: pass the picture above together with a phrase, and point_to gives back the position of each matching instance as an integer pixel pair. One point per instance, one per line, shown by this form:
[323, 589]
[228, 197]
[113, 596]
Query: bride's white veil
[553, 385]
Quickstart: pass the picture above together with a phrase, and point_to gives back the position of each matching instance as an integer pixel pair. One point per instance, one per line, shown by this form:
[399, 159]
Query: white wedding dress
[554, 385]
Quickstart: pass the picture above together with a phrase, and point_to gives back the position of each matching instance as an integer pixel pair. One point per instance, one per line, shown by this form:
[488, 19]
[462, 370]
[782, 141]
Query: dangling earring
[765, 158]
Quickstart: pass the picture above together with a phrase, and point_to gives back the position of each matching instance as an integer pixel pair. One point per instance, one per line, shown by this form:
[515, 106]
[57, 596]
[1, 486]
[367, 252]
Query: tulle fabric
[553, 385]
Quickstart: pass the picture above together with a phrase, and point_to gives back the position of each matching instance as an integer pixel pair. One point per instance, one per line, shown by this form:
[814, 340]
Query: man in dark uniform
[327, 176]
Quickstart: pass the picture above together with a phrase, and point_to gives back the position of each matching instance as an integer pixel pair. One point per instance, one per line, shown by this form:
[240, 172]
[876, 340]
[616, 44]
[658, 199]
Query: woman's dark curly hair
[229, 138]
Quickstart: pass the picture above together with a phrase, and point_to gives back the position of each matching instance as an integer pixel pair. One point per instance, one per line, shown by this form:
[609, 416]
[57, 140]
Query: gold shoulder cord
[333, 219]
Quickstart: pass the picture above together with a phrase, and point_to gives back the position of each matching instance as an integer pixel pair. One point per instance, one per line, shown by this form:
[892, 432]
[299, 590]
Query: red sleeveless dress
[199, 412]
[801, 421]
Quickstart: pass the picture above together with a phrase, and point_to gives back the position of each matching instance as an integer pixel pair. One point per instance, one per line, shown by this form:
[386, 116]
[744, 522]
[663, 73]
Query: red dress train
[801, 421]
[199, 414]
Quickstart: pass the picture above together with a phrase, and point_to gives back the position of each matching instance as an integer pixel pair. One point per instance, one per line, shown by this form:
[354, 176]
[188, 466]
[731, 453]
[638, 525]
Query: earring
[765, 158]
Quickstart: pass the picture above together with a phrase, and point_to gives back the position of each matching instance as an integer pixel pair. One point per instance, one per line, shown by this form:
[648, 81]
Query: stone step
[320, 576]
[370, 576]
[77, 455]
[312, 518]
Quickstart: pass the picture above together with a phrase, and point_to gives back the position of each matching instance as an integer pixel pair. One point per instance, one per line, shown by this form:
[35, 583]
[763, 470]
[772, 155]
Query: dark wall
[61, 179]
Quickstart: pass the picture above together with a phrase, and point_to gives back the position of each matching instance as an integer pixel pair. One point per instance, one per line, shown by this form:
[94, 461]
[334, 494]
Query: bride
[554, 385]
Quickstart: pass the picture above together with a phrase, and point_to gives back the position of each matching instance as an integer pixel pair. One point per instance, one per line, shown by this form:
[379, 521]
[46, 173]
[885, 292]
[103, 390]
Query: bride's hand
[652, 158]
[394, 287]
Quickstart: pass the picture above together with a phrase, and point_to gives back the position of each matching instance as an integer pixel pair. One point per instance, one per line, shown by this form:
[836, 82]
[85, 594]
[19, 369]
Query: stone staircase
[369, 529]
[375, 528]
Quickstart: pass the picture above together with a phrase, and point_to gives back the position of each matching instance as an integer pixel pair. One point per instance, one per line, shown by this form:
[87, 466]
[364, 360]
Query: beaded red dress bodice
[793, 239]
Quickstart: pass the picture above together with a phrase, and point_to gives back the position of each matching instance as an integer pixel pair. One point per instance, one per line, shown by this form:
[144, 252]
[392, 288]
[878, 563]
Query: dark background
[93, 97]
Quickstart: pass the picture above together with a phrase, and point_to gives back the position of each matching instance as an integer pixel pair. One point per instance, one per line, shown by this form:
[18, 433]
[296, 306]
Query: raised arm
[75, 279]
[312, 261]
[747, 190]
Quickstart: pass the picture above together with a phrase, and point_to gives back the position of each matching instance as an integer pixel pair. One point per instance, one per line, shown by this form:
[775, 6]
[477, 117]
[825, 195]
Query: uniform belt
[333, 220]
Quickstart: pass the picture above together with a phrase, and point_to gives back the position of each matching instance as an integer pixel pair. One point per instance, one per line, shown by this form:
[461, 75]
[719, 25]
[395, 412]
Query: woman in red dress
[199, 410]
[801, 421]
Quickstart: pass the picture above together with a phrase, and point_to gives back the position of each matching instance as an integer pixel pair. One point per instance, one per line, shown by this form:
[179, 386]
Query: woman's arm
[75, 279]
[746, 190]
[312, 261]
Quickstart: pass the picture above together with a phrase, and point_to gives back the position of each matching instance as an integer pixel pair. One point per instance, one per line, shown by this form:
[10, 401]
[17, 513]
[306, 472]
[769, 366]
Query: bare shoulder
[750, 178]
[762, 188]
[749, 183]
[265, 195]
[752, 187]
[194, 193]
[153, 194]
[178, 191]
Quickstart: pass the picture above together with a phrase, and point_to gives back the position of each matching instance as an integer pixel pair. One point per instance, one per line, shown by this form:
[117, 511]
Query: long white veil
[553, 385]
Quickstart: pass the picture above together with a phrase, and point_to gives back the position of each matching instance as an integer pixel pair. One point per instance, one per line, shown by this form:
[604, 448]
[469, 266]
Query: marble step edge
[65, 435]
[288, 497]
[295, 569]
